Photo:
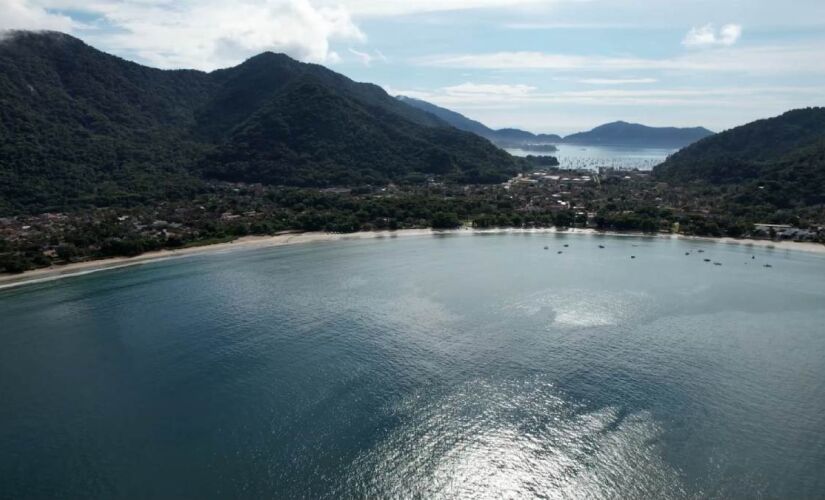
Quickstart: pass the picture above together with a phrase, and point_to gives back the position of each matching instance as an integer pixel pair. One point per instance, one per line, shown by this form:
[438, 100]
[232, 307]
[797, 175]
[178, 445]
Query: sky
[551, 66]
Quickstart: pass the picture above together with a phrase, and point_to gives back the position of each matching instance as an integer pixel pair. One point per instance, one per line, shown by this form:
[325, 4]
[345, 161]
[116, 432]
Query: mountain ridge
[778, 161]
[622, 133]
[504, 136]
[618, 133]
[79, 126]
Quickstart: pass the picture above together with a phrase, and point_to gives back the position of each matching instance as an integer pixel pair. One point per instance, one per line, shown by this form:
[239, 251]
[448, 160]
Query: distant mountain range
[505, 136]
[778, 161]
[635, 135]
[612, 134]
[78, 126]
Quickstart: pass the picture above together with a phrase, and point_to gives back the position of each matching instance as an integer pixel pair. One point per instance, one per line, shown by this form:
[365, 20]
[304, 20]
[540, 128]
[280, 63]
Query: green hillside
[79, 127]
[777, 162]
[633, 134]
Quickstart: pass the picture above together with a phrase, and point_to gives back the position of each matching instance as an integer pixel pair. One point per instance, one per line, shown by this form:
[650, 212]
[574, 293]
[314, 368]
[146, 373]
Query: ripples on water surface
[460, 366]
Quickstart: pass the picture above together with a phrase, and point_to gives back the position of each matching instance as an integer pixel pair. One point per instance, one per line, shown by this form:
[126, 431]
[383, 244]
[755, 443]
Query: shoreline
[287, 239]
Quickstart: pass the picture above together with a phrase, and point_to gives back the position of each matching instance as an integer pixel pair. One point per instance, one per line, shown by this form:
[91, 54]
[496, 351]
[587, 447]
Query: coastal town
[606, 200]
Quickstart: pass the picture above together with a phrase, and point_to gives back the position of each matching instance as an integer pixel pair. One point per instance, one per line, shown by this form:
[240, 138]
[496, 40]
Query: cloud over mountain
[203, 34]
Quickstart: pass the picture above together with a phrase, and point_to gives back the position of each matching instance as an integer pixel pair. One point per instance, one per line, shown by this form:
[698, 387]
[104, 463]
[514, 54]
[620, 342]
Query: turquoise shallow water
[455, 366]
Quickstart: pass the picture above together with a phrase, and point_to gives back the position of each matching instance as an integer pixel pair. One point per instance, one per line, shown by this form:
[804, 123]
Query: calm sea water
[594, 157]
[438, 367]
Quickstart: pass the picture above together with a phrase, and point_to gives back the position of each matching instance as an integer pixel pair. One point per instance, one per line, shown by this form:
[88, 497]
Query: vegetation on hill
[79, 127]
[776, 163]
[314, 134]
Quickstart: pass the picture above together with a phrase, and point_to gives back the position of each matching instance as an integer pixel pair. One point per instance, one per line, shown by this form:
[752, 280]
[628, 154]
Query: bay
[443, 367]
[589, 157]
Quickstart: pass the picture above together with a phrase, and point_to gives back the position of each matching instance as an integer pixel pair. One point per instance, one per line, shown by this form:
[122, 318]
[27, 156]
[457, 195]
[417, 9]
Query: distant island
[101, 157]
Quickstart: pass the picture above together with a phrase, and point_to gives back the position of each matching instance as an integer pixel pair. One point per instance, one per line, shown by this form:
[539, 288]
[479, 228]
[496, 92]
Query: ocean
[594, 157]
[452, 366]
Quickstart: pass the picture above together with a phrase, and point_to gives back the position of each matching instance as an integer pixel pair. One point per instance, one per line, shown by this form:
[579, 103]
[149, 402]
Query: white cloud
[402, 7]
[570, 111]
[707, 36]
[568, 26]
[202, 34]
[363, 57]
[774, 60]
[22, 15]
[471, 96]
[486, 89]
[366, 58]
[617, 81]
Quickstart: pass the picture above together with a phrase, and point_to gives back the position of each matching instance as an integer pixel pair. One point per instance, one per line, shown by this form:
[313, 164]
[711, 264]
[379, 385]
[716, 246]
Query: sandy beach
[248, 242]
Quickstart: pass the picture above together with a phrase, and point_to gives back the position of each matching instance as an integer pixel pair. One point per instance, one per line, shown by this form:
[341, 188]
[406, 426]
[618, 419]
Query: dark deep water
[456, 366]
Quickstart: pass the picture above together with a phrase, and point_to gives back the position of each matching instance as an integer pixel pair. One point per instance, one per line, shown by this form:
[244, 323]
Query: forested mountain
[744, 152]
[778, 161]
[505, 136]
[78, 126]
[633, 134]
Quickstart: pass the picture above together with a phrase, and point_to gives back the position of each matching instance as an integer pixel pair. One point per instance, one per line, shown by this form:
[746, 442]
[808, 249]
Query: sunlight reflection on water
[515, 439]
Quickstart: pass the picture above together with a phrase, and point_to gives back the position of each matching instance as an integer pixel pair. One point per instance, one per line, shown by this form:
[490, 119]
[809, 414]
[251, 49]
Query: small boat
[717, 263]
[601, 246]
[768, 265]
[707, 260]
[632, 256]
[565, 246]
[753, 257]
[700, 251]
[547, 248]
[560, 252]
[687, 253]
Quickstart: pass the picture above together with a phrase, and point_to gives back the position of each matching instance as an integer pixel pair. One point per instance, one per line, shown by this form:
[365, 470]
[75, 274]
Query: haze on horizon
[555, 66]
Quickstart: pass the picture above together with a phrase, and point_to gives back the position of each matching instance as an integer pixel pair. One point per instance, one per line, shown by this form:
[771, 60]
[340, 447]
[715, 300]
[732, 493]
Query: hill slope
[457, 120]
[505, 136]
[78, 126]
[313, 134]
[633, 134]
[743, 152]
[779, 161]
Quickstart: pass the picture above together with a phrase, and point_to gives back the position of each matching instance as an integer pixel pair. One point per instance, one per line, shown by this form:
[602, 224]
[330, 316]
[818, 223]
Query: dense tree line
[226, 212]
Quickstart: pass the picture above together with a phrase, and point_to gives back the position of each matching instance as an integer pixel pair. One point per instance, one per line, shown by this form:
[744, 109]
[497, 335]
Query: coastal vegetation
[612, 200]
